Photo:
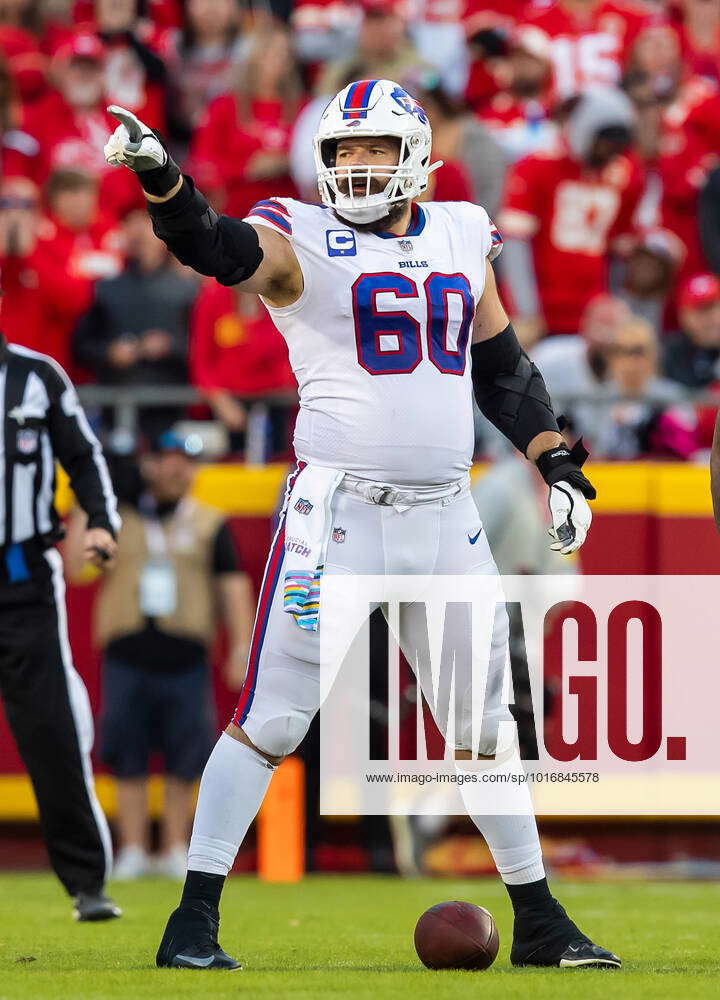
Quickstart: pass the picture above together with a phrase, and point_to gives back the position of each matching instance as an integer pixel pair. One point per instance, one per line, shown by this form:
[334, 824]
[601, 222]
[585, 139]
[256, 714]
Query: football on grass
[456, 936]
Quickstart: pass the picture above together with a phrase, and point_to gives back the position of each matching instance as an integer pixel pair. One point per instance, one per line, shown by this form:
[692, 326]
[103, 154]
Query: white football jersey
[380, 338]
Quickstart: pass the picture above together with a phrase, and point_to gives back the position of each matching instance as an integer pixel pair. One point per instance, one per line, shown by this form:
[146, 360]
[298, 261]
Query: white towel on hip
[307, 529]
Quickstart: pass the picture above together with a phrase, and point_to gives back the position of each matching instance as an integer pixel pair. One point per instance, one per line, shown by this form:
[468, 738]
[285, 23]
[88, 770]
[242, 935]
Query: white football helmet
[373, 108]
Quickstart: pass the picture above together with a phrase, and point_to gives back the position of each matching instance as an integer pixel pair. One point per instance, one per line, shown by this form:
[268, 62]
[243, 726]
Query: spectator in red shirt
[488, 25]
[19, 44]
[698, 24]
[68, 127]
[518, 116]
[562, 211]
[135, 75]
[23, 301]
[236, 350]
[70, 124]
[241, 147]
[679, 133]
[14, 143]
[51, 264]
[592, 39]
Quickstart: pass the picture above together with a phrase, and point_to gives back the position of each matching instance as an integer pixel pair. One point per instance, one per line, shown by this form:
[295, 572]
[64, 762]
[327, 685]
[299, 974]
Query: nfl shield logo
[303, 506]
[27, 441]
[406, 246]
[338, 535]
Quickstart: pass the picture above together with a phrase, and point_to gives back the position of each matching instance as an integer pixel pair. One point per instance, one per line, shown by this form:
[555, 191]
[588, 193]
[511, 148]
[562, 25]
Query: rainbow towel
[302, 598]
[308, 522]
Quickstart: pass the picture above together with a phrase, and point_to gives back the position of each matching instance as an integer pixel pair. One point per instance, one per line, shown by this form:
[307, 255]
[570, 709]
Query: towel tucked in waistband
[307, 528]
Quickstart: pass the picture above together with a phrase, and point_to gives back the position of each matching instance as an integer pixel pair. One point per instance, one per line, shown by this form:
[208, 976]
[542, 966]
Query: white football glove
[133, 144]
[571, 517]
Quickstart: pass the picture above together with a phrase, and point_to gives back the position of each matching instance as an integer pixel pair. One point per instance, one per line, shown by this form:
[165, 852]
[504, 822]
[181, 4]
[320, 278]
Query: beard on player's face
[394, 214]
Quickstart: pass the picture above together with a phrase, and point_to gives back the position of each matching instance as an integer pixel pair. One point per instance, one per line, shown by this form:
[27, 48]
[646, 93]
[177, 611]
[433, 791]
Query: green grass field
[349, 937]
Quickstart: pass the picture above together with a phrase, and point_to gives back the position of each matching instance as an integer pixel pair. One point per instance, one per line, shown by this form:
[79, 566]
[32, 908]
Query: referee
[45, 700]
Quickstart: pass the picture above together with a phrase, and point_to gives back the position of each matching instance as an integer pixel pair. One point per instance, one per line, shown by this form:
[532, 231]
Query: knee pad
[278, 734]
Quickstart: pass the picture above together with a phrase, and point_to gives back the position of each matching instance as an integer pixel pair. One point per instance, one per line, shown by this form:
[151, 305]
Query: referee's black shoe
[548, 937]
[94, 906]
[190, 941]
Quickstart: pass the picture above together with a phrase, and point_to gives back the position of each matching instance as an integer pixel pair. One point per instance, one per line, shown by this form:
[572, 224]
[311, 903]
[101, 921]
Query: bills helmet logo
[409, 104]
[303, 506]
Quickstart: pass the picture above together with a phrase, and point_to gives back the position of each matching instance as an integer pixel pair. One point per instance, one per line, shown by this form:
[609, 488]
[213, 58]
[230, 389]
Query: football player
[392, 319]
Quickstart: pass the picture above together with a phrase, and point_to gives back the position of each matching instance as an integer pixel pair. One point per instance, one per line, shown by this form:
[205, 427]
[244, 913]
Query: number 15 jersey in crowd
[379, 339]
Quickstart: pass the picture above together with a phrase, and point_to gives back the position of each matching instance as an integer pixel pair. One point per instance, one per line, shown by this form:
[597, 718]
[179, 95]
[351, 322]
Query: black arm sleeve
[224, 556]
[216, 245]
[510, 390]
[79, 452]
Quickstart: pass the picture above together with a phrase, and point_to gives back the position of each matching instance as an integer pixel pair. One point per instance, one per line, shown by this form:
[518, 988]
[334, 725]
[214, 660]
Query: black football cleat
[94, 906]
[190, 942]
[551, 939]
[584, 954]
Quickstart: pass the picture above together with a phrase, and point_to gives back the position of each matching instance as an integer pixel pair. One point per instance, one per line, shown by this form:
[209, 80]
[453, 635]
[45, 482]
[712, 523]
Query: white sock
[514, 845]
[232, 788]
[512, 837]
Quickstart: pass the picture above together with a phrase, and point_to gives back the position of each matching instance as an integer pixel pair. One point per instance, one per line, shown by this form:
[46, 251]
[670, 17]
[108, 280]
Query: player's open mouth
[360, 186]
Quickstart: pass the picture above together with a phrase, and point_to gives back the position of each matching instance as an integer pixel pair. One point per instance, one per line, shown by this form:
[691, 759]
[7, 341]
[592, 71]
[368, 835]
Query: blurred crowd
[589, 129]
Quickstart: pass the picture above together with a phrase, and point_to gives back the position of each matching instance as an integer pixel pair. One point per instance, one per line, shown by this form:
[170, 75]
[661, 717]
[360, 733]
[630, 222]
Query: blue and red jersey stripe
[358, 99]
[272, 211]
[265, 601]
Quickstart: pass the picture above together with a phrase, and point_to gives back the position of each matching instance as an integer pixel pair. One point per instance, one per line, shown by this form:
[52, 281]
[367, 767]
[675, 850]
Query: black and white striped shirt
[43, 421]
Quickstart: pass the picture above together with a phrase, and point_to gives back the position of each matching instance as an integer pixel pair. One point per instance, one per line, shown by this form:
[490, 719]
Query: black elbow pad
[240, 244]
[216, 245]
[510, 390]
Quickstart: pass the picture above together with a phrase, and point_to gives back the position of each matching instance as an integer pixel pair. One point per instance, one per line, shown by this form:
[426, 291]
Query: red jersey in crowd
[590, 46]
[126, 80]
[689, 145]
[235, 345]
[225, 144]
[701, 57]
[162, 13]
[71, 139]
[481, 15]
[66, 138]
[520, 125]
[47, 291]
[26, 62]
[570, 214]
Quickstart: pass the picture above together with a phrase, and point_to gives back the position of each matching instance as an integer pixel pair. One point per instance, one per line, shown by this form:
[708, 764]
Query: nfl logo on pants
[303, 506]
[338, 535]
